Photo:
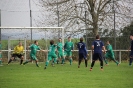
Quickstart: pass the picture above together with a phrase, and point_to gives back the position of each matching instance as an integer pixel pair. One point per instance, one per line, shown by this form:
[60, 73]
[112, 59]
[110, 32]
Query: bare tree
[92, 15]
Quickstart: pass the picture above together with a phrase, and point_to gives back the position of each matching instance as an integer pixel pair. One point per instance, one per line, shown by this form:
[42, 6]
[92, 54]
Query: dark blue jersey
[98, 44]
[82, 47]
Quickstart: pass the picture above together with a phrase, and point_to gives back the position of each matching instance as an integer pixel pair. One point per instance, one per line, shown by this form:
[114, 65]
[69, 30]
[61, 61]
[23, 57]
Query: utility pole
[114, 25]
[58, 13]
[58, 18]
[30, 19]
[86, 28]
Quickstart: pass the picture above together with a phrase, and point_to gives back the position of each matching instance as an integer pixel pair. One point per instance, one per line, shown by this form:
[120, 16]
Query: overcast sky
[17, 12]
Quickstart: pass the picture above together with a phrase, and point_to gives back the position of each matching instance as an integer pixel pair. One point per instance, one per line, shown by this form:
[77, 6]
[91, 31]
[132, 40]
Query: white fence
[90, 52]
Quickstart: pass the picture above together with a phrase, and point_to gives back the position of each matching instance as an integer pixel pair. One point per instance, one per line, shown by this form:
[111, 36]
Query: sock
[115, 61]
[21, 61]
[0, 62]
[92, 64]
[86, 63]
[37, 64]
[55, 60]
[62, 61]
[101, 64]
[70, 61]
[130, 61]
[105, 60]
[25, 62]
[79, 61]
[10, 61]
[46, 64]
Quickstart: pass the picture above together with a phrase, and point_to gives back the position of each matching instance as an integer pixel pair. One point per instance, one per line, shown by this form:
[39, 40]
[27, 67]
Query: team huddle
[59, 51]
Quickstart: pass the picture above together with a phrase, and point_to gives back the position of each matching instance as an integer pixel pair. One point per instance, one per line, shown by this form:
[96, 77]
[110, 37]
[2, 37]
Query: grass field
[66, 76]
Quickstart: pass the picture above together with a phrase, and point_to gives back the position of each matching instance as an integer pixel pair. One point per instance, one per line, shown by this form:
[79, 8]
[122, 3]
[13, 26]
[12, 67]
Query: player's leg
[130, 60]
[21, 58]
[31, 58]
[70, 57]
[80, 59]
[36, 61]
[113, 58]
[55, 59]
[94, 58]
[85, 58]
[0, 61]
[48, 60]
[11, 59]
[101, 61]
[105, 58]
[62, 58]
[64, 54]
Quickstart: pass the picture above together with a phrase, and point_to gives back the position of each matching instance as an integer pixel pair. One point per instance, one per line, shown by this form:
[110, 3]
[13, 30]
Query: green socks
[70, 61]
[0, 62]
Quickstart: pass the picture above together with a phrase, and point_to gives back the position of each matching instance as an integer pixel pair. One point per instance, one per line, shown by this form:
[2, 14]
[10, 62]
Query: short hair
[51, 42]
[60, 38]
[69, 37]
[35, 41]
[131, 34]
[81, 39]
[19, 42]
[97, 37]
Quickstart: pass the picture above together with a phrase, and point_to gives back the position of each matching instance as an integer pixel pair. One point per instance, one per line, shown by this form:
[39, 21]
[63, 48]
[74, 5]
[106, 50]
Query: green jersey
[52, 49]
[34, 49]
[60, 47]
[109, 49]
[68, 46]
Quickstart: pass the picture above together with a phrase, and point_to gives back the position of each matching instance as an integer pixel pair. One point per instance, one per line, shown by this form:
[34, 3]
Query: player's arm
[22, 51]
[85, 49]
[92, 48]
[65, 46]
[129, 48]
[72, 46]
[41, 49]
[15, 49]
[104, 50]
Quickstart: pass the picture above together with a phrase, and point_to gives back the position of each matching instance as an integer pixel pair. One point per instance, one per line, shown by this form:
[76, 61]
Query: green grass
[29, 76]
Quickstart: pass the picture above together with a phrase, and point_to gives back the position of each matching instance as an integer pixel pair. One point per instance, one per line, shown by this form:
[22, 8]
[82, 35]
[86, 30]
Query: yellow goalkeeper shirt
[18, 49]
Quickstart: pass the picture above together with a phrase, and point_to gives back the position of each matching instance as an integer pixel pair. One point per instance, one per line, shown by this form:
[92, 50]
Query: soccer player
[82, 52]
[34, 47]
[60, 50]
[109, 54]
[51, 54]
[18, 52]
[97, 47]
[68, 47]
[131, 52]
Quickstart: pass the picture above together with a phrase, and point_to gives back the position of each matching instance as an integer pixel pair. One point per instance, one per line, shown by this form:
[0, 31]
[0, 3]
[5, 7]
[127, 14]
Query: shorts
[97, 56]
[60, 54]
[82, 56]
[33, 57]
[108, 55]
[50, 57]
[68, 53]
[17, 55]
